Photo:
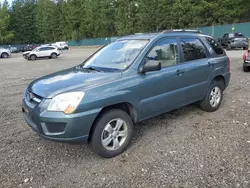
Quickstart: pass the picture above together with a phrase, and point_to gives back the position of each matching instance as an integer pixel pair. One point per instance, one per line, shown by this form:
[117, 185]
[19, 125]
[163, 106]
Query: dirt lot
[184, 148]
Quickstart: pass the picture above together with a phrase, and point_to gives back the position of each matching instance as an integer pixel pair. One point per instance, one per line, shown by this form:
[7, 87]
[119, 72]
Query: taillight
[229, 62]
[245, 55]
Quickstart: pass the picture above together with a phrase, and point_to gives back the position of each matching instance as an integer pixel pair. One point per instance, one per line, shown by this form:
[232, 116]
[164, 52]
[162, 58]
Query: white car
[41, 52]
[4, 53]
[61, 45]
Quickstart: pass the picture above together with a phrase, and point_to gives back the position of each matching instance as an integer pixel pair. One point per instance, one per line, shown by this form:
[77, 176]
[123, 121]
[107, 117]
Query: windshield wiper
[88, 68]
[91, 68]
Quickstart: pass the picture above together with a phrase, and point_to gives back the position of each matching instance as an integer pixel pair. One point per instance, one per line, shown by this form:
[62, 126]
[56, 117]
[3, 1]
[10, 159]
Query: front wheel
[112, 133]
[213, 98]
[53, 55]
[33, 57]
[5, 55]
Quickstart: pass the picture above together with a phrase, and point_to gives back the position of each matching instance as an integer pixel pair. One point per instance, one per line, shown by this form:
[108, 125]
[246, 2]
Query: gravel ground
[184, 148]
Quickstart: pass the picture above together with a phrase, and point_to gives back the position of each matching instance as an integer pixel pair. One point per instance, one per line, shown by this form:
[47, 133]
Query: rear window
[193, 49]
[50, 48]
[214, 47]
[232, 35]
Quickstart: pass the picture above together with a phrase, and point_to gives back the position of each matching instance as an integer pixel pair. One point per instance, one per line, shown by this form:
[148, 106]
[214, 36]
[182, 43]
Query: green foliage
[5, 34]
[54, 20]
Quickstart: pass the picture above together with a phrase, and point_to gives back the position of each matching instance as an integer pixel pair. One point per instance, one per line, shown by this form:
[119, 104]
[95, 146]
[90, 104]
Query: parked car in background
[130, 80]
[13, 49]
[234, 40]
[29, 47]
[61, 45]
[4, 53]
[246, 61]
[42, 52]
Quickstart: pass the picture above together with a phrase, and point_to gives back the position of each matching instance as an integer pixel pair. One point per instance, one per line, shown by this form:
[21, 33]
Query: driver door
[163, 90]
[41, 52]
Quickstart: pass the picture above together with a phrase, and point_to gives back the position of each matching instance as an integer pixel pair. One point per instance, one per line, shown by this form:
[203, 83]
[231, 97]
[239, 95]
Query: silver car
[4, 53]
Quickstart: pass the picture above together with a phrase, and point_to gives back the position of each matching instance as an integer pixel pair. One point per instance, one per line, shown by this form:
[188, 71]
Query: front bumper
[57, 125]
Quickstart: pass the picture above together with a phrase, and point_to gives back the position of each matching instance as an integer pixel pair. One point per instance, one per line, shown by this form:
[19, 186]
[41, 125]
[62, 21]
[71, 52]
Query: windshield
[117, 55]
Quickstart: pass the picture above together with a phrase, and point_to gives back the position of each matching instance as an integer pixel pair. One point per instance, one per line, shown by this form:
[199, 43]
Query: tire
[104, 131]
[229, 47]
[245, 69]
[53, 56]
[4, 55]
[33, 57]
[245, 48]
[206, 102]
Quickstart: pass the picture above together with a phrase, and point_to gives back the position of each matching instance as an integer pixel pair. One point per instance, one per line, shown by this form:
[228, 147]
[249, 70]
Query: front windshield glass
[116, 56]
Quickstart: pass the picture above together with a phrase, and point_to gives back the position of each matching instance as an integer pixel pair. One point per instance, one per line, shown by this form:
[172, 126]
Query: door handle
[179, 72]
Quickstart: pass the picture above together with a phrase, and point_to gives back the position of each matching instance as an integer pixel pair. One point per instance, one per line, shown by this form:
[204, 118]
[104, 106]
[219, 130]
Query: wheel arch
[125, 106]
[221, 79]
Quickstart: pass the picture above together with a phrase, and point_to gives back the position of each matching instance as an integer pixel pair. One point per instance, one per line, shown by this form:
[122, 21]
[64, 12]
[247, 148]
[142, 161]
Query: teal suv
[132, 79]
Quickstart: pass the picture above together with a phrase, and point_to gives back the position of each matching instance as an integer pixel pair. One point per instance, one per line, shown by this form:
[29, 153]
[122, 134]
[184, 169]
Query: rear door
[197, 67]
[49, 51]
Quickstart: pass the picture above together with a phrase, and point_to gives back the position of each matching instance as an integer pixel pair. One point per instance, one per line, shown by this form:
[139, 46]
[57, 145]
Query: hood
[69, 79]
[27, 52]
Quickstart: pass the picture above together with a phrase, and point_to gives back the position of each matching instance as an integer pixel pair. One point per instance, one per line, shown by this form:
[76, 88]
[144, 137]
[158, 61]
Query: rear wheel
[53, 55]
[4, 55]
[112, 133]
[214, 96]
[33, 57]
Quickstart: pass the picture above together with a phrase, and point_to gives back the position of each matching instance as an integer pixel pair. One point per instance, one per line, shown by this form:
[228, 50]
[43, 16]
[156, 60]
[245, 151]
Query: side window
[193, 49]
[225, 35]
[42, 49]
[215, 46]
[165, 51]
[50, 48]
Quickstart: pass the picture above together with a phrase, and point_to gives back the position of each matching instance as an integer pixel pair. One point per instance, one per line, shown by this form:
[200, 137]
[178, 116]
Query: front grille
[33, 98]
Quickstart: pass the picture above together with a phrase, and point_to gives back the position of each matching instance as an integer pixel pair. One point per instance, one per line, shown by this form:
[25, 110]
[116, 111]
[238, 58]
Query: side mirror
[150, 66]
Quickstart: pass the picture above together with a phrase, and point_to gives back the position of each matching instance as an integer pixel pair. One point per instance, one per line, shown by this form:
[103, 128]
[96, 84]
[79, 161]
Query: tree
[53, 20]
[23, 21]
[127, 17]
[5, 34]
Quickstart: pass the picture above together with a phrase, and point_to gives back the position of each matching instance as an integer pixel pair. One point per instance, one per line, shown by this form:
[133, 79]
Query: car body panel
[70, 79]
[149, 93]
[234, 40]
[4, 50]
[42, 51]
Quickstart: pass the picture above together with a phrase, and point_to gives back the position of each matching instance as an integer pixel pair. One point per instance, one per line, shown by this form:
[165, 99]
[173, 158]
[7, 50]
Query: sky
[1, 1]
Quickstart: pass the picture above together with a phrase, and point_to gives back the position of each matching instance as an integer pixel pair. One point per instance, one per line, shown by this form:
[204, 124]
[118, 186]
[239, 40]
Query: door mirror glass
[151, 65]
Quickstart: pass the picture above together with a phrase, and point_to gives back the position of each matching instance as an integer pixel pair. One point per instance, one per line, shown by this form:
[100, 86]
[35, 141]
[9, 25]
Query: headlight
[66, 102]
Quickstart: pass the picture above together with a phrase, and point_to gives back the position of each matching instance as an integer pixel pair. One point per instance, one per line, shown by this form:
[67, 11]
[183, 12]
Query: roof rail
[182, 30]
